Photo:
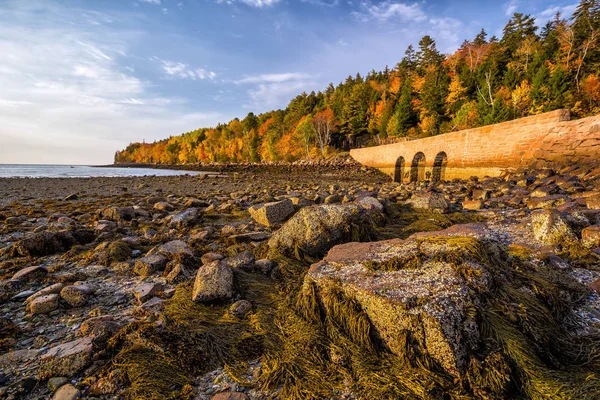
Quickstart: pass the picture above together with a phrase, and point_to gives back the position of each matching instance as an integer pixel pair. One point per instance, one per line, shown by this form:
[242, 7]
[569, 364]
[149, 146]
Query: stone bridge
[549, 139]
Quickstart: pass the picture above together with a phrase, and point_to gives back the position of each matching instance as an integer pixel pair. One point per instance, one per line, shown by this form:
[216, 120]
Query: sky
[82, 79]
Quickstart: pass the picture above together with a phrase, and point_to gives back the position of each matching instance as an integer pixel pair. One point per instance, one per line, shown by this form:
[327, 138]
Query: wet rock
[45, 243]
[590, 236]
[551, 227]
[240, 308]
[243, 260]
[185, 219]
[66, 359]
[271, 214]
[44, 304]
[117, 214]
[429, 201]
[265, 266]
[76, 295]
[149, 265]
[312, 231]
[67, 392]
[214, 282]
[34, 273]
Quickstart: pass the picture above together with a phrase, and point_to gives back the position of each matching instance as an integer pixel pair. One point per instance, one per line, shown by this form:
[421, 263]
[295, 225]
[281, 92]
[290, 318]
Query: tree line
[528, 71]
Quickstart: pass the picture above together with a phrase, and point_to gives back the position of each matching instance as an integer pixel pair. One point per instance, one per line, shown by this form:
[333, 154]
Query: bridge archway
[417, 168]
[439, 167]
[399, 169]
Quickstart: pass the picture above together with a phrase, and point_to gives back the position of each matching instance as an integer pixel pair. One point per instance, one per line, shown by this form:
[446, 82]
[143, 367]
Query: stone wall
[549, 139]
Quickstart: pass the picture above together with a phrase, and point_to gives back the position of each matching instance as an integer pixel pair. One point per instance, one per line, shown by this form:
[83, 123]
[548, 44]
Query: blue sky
[81, 79]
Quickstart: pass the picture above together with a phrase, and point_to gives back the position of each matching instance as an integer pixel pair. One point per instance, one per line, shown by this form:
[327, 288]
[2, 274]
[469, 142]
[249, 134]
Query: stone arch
[417, 168]
[439, 167]
[399, 169]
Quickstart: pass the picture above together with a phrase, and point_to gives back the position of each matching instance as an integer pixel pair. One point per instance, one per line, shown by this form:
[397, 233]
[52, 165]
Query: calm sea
[80, 171]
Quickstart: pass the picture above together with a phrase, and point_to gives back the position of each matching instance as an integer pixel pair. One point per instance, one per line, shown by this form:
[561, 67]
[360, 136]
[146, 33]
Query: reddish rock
[472, 205]
[590, 236]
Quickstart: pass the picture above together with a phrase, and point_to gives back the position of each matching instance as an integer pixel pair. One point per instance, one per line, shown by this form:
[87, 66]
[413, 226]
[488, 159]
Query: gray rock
[147, 290]
[371, 203]
[313, 230]
[210, 257]
[551, 227]
[149, 265]
[45, 243]
[271, 214]
[214, 282]
[66, 359]
[185, 219]
[429, 201]
[243, 260]
[240, 308]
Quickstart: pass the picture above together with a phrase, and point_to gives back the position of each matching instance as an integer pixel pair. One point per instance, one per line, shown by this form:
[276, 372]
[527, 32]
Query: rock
[66, 392]
[163, 206]
[480, 194]
[590, 236]
[44, 304]
[265, 266]
[210, 257]
[430, 299]
[333, 198]
[472, 205]
[271, 214]
[249, 237]
[240, 308]
[595, 285]
[34, 273]
[185, 219]
[429, 201]
[100, 329]
[148, 265]
[593, 202]
[243, 260]
[371, 203]
[117, 214]
[66, 359]
[546, 202]
[214, 282]
[55, 383]
[52, 289]
[312, 231]
[105, 226]
[551, 227]
[176, 249]
[46, 243]
[230, 396]
[76, 295]
[300, 202]
[544, 191]
[147, 290]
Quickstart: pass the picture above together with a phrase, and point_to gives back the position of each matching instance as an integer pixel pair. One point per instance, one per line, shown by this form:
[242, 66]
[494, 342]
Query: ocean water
[80, 171]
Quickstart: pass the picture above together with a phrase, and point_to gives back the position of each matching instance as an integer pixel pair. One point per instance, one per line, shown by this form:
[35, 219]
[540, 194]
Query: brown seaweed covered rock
[314, 230]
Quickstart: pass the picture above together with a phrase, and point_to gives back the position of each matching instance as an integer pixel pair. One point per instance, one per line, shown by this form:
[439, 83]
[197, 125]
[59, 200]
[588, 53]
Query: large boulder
[214, 282]
[45, 243]
[312, 231]
[271, 214]
[405, 285]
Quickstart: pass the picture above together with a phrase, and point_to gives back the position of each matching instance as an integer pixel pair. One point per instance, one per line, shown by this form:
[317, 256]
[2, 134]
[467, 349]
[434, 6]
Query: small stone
[163, 206]
[176, 249]
[184, 219]
[148, 265]
[210, 257]
[44, 304]
[240, 308]
[472, 205]
[214, 282]
[480, 194]
[52, 289]
[55, 383]
[76, 295]
[271, 214]
[333, 199]
[429, 201]
[117, 214]
[34, 273]
[371, 203]
[590, 236]
[265, 266]
[66, 392]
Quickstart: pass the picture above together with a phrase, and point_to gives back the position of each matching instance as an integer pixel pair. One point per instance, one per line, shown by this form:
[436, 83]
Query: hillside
[528, 71]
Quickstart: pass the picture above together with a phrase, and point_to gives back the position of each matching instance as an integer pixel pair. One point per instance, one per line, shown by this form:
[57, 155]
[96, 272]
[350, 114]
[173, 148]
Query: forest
[529, 70]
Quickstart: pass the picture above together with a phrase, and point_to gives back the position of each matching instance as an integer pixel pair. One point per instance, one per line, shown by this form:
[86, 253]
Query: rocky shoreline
[316, 280]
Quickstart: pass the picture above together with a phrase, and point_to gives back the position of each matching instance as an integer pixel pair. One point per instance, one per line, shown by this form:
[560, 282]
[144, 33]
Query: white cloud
[550, 12]
[66, 98]
[511, 7]
[251, 3]
[155, 2]
[184, 71]
[274, 78]
[390, 11]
